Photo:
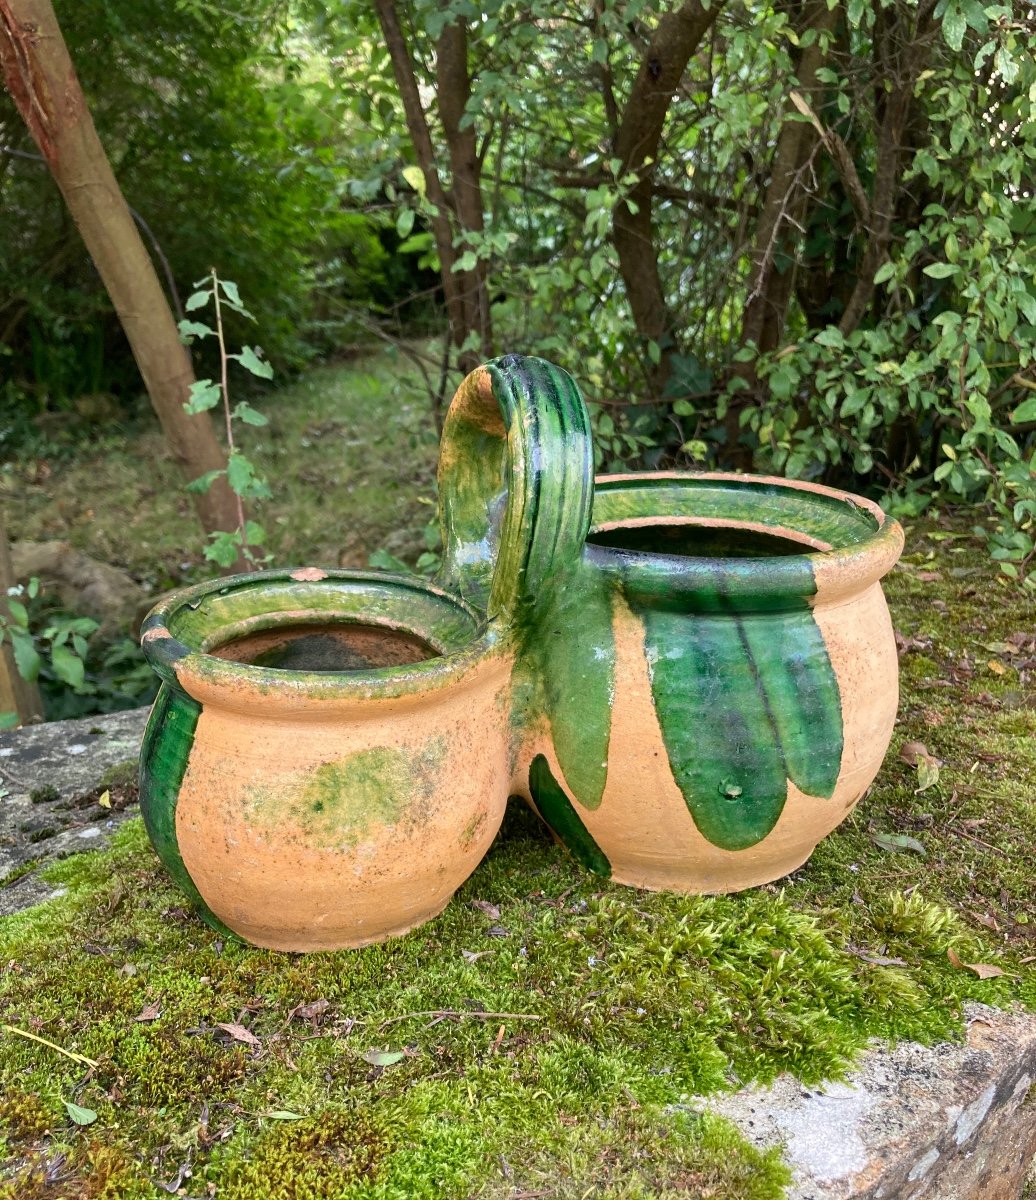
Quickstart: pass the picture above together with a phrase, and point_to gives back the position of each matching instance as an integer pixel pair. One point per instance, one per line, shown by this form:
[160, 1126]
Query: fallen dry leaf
[982, 970]
[491, 910]
[310, 1011]
[996, 667]
[912, 751]
[474, 955]
[897, 841]
[239, 1033]
[150, 1012]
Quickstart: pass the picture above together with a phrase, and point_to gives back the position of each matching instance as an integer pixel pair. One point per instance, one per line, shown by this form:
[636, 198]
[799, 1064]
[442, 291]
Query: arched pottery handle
[515, 483]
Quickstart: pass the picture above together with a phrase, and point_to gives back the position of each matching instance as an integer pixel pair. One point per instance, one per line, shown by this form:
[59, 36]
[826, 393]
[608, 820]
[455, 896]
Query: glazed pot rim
[829, 568]
[194, 668]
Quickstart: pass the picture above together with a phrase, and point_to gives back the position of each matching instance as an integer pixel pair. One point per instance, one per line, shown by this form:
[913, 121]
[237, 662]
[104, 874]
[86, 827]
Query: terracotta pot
[714, 680]
[330, 754]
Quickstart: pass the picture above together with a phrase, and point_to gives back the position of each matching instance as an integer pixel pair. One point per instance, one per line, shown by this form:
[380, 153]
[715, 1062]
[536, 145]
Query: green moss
[46, 794]
[120, 775]
[90, 1172]
[24, 1117]
[310, 1159]
[20, 871]
[629, 1004]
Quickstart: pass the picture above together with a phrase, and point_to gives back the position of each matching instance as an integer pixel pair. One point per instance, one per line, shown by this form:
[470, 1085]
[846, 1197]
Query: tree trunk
[770, 290]
[783, 204]
[17, 695]
[901, 51]
[463, 301]
[42, 81]
[676, 38]
[453, 90]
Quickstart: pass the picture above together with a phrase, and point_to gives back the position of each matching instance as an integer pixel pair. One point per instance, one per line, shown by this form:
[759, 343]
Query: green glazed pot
[330, 753]
[707, 686]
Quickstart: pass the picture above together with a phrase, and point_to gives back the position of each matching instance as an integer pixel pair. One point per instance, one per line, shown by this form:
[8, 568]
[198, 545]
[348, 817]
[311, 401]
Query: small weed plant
[245, 542]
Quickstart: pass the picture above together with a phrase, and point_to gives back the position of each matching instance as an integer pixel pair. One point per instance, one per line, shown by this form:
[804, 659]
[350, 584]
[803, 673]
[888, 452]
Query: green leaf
[954, 24]
[245, 412]
[223, 548]
[388, 562]
[68, 666]
[26, 656]
[190, 329]
[251, 361]
[282, 1114]
[1026, 411]
[33, 587]
[230, 291]
[242, 477]
[897, 842]
[927, 773]
[19, 612]
[405, 222]
[941, 270]
[80, 1115]
[415, 177]
[885, 272]
[197, 300]
[255, 534]
[203, 482]
[830, 337]
[468, 261]
[383, 1058]
[8, 720]
[687, 376]
[204, 395]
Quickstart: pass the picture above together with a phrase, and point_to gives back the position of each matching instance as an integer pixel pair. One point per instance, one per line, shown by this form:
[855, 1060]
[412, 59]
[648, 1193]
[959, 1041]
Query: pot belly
[319, 834]
[736, 781]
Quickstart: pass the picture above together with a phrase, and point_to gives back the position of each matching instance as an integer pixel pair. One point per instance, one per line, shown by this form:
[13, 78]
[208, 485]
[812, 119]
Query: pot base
[309, 942]
[724, 881]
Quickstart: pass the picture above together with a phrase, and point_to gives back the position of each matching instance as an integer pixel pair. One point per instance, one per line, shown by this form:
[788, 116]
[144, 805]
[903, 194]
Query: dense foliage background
[793, 237]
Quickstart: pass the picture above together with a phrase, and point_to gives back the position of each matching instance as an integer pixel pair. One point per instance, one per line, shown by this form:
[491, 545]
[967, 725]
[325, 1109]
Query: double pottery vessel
[692, 677]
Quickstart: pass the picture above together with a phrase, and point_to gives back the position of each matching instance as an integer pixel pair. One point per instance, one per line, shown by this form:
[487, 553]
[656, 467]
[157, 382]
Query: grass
[547, 1035]
[350, 451]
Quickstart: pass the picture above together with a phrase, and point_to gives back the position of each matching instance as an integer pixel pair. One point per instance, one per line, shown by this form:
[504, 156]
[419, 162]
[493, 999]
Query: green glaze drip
[163, 763]
[557, 810]
[745, 701]
[573, 649]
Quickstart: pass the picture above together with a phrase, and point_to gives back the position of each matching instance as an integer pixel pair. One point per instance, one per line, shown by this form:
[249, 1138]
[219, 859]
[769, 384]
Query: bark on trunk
[41, 78]
[676, 38]
[464, 300]
[453, 90]
[901, 52]
[782, 208]
[770, 290]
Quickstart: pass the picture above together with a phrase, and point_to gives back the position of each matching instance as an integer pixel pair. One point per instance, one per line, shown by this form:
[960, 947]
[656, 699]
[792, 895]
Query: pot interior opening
[698, 541]
[337, 647]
